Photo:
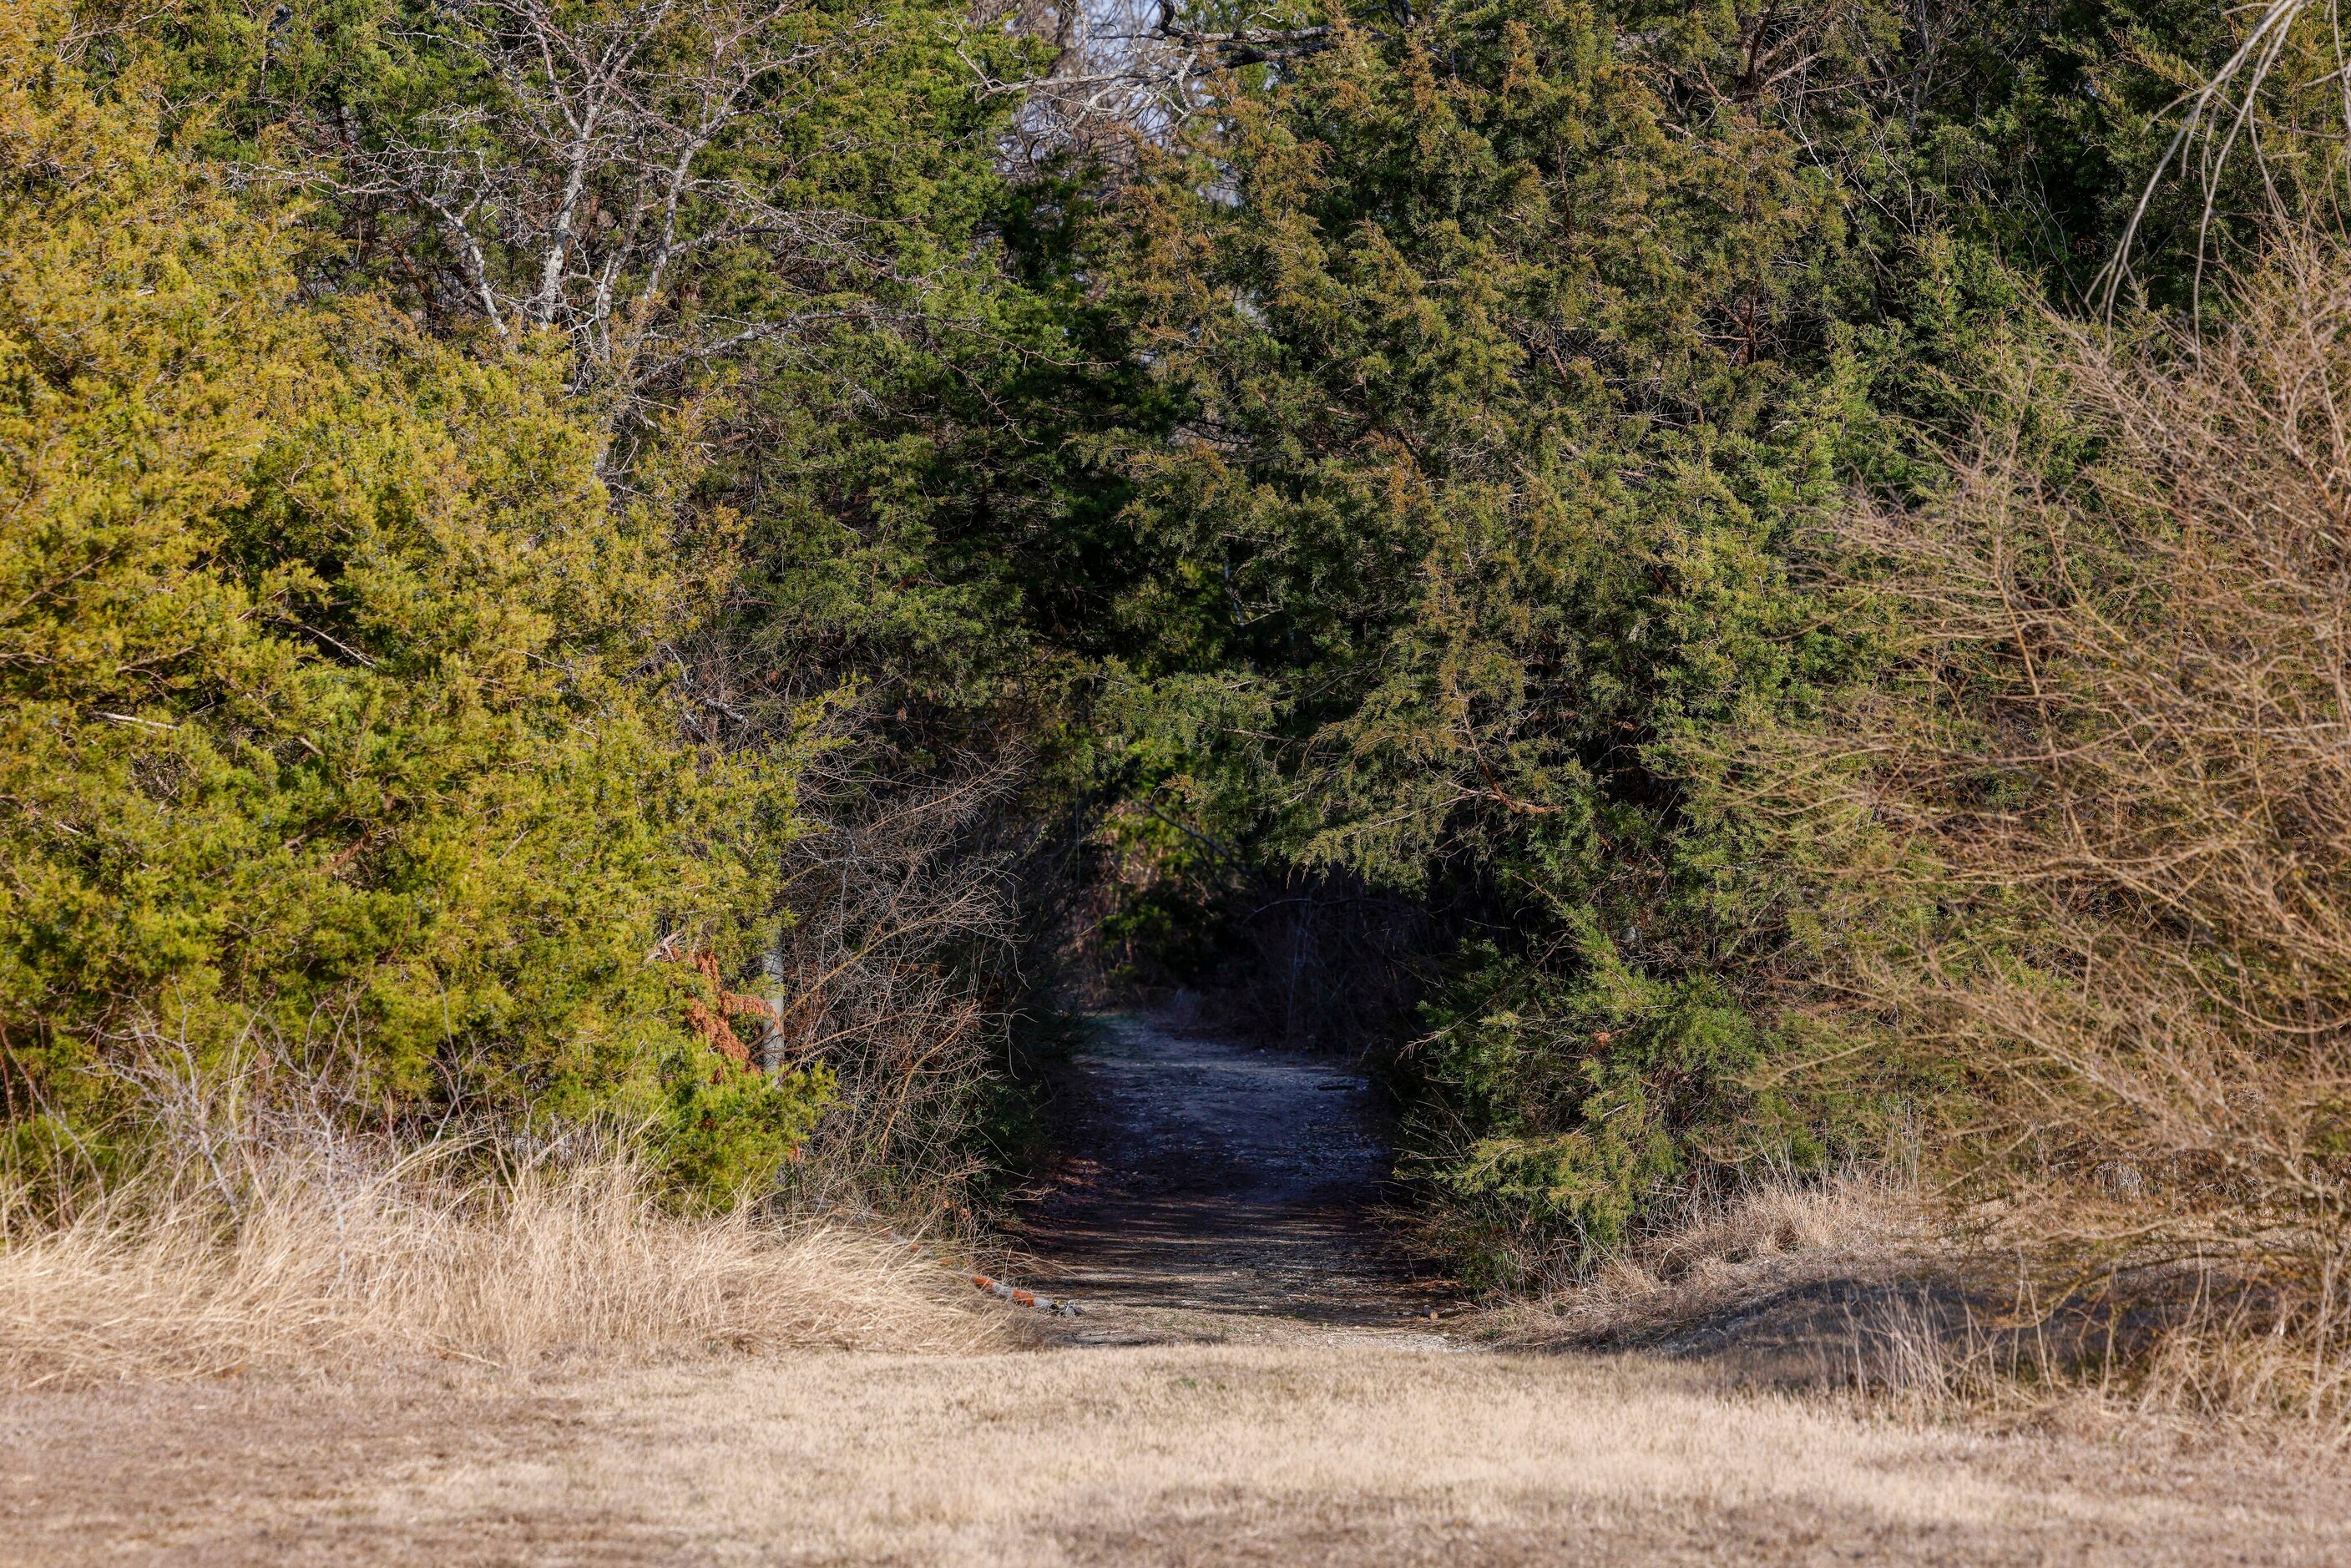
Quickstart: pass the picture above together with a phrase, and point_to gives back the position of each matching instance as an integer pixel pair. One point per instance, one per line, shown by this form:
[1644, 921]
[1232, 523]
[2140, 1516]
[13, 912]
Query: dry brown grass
[1858, 1284]
[2199, 1360]
[310, 1261]
[1329, 1447]
[1731, 1248]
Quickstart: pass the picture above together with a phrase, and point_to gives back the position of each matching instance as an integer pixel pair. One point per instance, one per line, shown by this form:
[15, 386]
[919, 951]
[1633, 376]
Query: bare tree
[1128, 72]
[609, 158]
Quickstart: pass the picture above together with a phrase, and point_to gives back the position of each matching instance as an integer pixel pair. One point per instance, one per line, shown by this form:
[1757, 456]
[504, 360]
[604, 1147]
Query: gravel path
[1206, 1183]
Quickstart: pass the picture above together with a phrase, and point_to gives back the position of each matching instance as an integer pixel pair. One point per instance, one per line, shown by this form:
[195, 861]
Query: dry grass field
[558, 1371]
[1310, 1446]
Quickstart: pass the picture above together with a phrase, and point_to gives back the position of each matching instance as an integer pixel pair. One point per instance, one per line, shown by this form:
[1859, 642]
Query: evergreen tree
[325, 725]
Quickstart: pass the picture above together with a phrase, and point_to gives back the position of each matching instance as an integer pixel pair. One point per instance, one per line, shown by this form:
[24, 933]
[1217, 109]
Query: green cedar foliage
[322, 731]
[1511, 349]
[1515, 355]
[895, 368]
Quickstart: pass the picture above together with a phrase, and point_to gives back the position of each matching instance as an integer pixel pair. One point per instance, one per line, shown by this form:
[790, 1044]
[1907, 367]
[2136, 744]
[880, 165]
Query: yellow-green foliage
[325, 733]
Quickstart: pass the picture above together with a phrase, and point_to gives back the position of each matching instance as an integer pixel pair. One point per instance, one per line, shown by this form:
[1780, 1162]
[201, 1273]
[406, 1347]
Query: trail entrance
[1205, 1182]
[1245, 1386]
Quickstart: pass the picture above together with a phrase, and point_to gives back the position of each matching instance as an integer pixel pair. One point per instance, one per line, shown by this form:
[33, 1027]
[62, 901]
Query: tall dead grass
[1854, 1283]
[1731, 1248]
[2210, 1355]
[270, 1226]
[316, 1257]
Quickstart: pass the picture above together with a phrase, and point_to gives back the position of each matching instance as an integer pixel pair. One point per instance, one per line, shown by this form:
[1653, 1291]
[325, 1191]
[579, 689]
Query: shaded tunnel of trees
[730, 565]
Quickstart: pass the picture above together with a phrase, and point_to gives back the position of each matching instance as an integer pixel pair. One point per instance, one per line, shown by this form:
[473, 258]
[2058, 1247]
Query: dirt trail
[1205, 1182]
[1243, 1387]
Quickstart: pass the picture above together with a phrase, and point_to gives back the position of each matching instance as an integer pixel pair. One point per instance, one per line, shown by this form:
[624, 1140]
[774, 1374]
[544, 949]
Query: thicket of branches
[2083, 847]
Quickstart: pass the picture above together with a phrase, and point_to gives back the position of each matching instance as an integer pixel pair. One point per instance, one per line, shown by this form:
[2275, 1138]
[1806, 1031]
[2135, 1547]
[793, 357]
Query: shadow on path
[1206, 1180]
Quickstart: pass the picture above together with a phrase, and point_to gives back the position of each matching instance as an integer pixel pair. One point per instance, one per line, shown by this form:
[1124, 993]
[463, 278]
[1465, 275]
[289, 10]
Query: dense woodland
[1721, 586]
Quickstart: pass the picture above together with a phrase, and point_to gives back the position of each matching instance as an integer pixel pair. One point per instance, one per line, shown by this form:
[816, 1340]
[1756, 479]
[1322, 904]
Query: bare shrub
[2085, 857]
[894, 972]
